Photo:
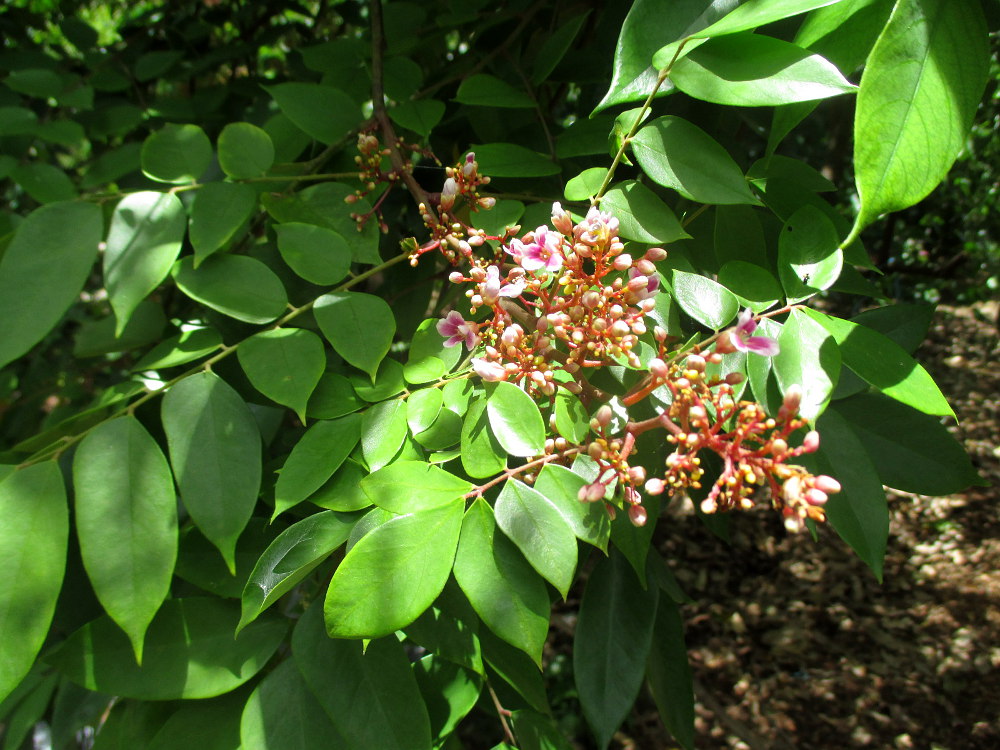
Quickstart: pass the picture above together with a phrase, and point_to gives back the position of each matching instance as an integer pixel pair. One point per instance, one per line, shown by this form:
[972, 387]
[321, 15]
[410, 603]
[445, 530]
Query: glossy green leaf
[911, 451]
[756, 287]
[679, 155]
[450, 634]
[642, 215]
[389, 382]
[809, 358]
[412, 486]
[502, 587]
[245, 151]
[511, 160]
[422, 408]
[537, 731]
[743, 17]
[190, 652]
[324, 112]
[333, 397]
[611, 644]
[393, 573]
[369, 693]
[428, 358]
[314, 459]
[555, 47]
[290, 558]
[126, 521]
[212, 724]
[284, 364]
[918, 95]
[449, 691]
[283, 714]
[37, 82]
[752, 70]
[880, 361]
[585, 185]
[809, 259]
[234, 285]
[317, 254]
[97, 337]
[906, 324]
[28, 711]
[383, 430]
[588, 521]
[34, 528]
[199, 562]
[572, 420]
[147, 230]
[485, 90]
[342, 491]
[669, 674]
[60, 236]
[360, 327]
[176, 154]
[45, 183]
[539, 530]
[707, 301]
[220, 210]
[482, 454]
[515, 420]
[418, 115]
[180, 349]
[215, 454]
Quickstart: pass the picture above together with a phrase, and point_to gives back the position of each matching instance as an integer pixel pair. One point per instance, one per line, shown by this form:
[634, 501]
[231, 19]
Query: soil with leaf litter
[794, 644]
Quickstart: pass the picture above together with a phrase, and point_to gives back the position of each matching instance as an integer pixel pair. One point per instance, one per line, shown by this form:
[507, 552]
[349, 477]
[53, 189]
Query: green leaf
[245, 151]
[219, 212]
[482, 454]
[234, 285]
[412, 486]
[17, 121]
[393, 573]
[585, 185]
[614, 631]
[572, 420]
[859, 512]
[880, 361]
[752, 70]
[37, 82]
[314, 459]
[359, 326]
[755, 287]
[383, 430]
[370, 694]
[317, 254]
[537, 731]
[588, 521]
[748, 15]
[911, 451]
[190, 652]
[212, 724]
[428, 358]
[284, 364]
[642, 215]
[333, 397]
[199, 562]
[809, 259]
[511, 160]
[215, 454]
[809, 358]
[290, 558]
[539, 530]
[180, 349]
[97, 337]
[28, 711]
[147, 230]
[450, 635]
[45, 183]
[418, 115]
[669, 674]
[126, 521]
[682, 156]
[62, 236]
[906, 324]
[283, 714]
[34, 528]
[449, 691]
[502, 587]
[515, 420]
[919, 92]
[555, 47]
[341, 492]
[324, 112]
[485, 90]
[176, 154]
[707, 301]
[389, 382]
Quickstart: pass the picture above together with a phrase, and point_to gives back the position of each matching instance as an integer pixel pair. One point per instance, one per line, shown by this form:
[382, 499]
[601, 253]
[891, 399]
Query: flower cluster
[563, 298]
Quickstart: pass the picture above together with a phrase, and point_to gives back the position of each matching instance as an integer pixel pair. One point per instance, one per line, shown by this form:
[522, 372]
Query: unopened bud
[591, 299]
[622, 262]
[735, 378]
[696, 362]
[724, 344]
[604, 415]
[637, 515]
[811, 441]
[637, 283]
[793, 398]
[655, 254]
[477, 274]
[655, 486]
[637, 474]
[826, 484]
[645, 267]
[816, 497]
[456, 277]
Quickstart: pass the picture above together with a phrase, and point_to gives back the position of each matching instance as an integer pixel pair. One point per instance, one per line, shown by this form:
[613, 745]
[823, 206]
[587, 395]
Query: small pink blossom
[597, 227]
[489, 371]
[456, 329]
[652, 285]
[742, 338]
[490, 290]
[543, 252]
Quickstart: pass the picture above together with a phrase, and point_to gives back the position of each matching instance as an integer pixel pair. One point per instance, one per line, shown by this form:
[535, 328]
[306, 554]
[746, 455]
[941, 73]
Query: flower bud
[591, 299]
[696, 362]
[456, 277]
[604, 415]
[477, 274]
[811, 441]
[815, 497]
[637, 474]
[655, 486]
[637, 283]
[724, 344]
[622, 262]
[645, 267]
[655, 254]
[637, 515]
[735, 378]
[826, 484]
[793, 398]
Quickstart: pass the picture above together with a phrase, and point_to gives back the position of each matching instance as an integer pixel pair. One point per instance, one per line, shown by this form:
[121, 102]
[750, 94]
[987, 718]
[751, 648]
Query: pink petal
[762, 345]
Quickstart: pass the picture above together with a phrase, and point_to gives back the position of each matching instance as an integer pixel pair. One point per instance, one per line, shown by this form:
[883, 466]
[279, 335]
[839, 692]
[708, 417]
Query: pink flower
[491, 289]
[456, 329]
[597, 227]
[652, 285]
[543, 252]
[741, 339]
[490, 371]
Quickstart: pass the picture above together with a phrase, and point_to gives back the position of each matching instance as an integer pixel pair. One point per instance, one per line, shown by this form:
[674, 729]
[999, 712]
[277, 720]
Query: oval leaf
[235, 285]
[284, 364]
[324, 112]
[809, 358]
[360, 327]
[809, 259]
[707, 301]
[642, 215]
[220, 210]
[317, 254]
[411, 486]
[176, 154]
[515, 420]
[245, 151]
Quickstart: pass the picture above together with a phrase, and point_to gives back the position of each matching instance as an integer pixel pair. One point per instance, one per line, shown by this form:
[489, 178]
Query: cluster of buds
[370, 159]
[566, 297]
